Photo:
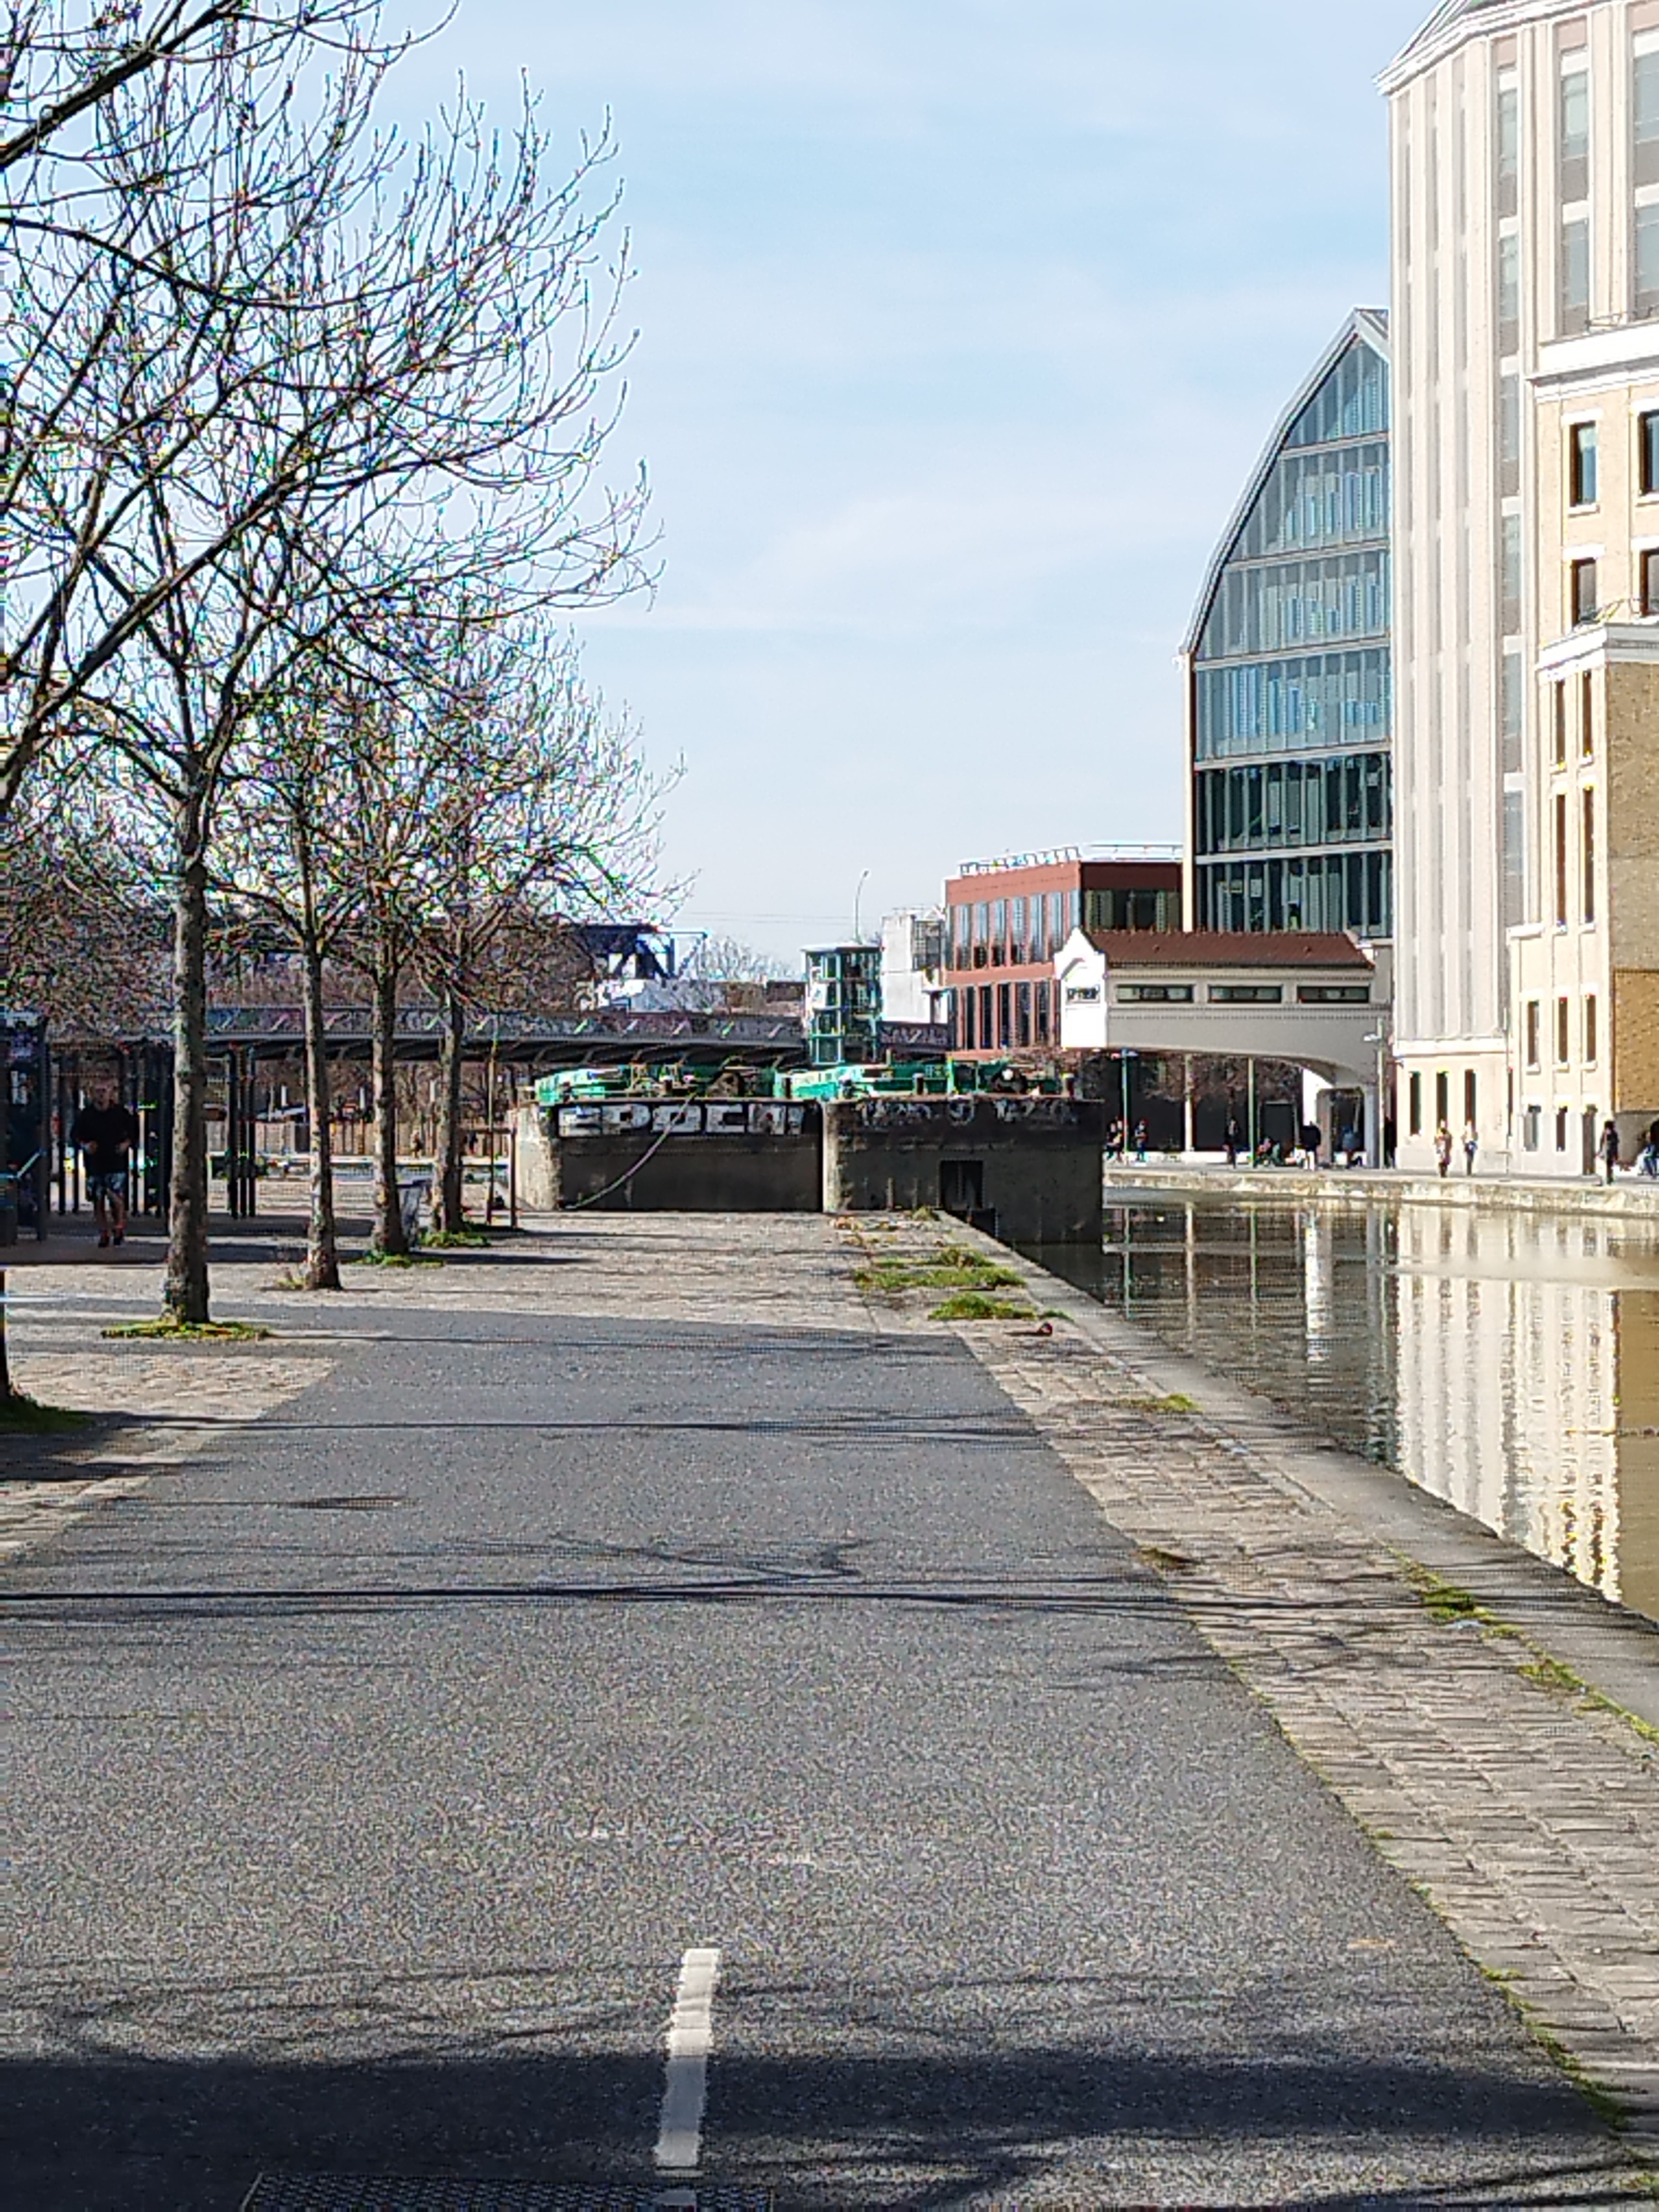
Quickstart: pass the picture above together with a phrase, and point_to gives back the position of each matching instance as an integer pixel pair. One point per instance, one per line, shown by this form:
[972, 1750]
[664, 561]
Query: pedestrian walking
[1140, 1143]
[1234, 1139]
[1471, 1146]
[104, 1133]
[1442, 1150]
[1648, 1163]
[1609, 1148]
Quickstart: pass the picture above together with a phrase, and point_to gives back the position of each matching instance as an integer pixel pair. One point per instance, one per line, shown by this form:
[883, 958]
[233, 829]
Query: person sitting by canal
[1312, 1138]
[1471, 1146]
[1141, 1141]
[104, 1135]
[1609, 1148]
[1443, 1151]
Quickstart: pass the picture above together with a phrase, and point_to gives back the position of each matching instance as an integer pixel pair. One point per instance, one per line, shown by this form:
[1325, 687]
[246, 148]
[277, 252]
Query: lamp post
[857, 897]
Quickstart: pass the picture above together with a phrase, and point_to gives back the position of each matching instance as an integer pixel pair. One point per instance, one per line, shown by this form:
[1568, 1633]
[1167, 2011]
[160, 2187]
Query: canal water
[1508, 1363]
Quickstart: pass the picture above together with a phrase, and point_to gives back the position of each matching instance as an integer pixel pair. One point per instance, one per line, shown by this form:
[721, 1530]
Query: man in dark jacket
[104, 1135]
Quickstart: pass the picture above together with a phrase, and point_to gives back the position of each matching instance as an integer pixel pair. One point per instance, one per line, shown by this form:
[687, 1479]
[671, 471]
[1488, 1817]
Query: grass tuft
[456, 1240]
[978, 1305]
[166, 1330]
[1176, 1402]
[21, 1415]
[373, 1259]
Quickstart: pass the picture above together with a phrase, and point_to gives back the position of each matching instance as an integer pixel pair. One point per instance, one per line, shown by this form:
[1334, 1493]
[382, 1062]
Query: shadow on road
[952, 2125]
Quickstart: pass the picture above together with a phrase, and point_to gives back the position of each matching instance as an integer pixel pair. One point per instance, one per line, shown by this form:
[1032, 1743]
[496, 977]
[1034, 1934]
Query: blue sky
[960, 323]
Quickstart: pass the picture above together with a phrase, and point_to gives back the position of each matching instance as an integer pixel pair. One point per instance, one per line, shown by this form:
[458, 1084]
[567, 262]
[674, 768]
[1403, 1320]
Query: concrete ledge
[1630, 1197]
[1610, 1648]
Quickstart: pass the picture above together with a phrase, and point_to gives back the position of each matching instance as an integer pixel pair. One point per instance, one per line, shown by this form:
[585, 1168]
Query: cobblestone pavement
[1528, 1817]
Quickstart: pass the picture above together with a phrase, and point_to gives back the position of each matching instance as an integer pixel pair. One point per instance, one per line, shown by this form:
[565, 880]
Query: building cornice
[1599, 643]
[1462, 22]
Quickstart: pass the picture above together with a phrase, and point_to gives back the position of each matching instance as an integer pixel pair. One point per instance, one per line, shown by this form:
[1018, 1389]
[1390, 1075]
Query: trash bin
[7, 1209]
[413, 1192]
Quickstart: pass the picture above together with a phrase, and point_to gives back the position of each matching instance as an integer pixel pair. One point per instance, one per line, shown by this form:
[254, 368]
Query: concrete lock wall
[716, 1156]
[1027, 1168]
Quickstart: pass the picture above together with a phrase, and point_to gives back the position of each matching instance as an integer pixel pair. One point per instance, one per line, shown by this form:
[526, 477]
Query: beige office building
[1526, 366]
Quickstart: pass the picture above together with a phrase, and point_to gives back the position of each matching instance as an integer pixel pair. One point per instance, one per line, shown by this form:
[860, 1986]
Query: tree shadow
[922, 2118]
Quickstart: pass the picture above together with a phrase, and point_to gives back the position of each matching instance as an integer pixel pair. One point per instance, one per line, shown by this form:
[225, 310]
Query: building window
[1532, 1128]
[1560, 1128]
[1510, 578]
[1415, 1105]
[1017, 932]
[1509, 294]
[1156, 995]
[1023, 1013]
[1582, 457]
[1534, 1032]
[1586, 714]
[1442, 1097]
[1583, 596]
[1513, 687]
[965, 1038]
[1560, 860]
[1005, 1017]
[1647, 254]
[1575, 276]
[1508, 135]
[987, 1034]
[1650, 582]
[1587, 855]
[999, 933]
[1247, 995]
[1471, 1099]
[1563, 1032]
[1508, 437]
[1592, 1031]
[1042, 1031]
[1645, 101]
[1334, 994]
[1559, 722]
[1647, 443]
[1574, 128]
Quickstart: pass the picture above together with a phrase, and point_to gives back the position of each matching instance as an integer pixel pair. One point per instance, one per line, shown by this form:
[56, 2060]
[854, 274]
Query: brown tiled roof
[1215, 948]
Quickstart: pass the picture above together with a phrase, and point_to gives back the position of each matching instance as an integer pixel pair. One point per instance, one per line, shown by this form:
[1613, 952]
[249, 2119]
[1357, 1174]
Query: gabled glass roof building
[1289, 687]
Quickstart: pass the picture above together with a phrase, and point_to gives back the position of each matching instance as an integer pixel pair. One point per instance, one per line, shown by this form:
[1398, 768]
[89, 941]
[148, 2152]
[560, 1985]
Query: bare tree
[62, 59]
[267, 864]
[543, 810]
[83, 937]
[415, 378]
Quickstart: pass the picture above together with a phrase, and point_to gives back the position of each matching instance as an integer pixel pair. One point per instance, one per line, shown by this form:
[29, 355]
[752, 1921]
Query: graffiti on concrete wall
[714, 1118]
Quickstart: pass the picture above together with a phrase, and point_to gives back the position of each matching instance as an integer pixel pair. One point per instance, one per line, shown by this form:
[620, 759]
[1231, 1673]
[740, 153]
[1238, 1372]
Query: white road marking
[691, 2036]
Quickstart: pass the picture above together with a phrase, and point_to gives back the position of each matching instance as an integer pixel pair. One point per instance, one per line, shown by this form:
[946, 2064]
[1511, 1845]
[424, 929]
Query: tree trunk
[322, 1243]
[185, 1295]
[452, 1132]
[389, 1237]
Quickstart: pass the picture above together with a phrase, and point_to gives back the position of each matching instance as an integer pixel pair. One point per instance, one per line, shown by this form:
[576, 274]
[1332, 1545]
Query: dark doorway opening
[962, 1187]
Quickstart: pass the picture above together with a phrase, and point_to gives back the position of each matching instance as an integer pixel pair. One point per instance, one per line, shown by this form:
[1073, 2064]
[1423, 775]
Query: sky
[960, 326]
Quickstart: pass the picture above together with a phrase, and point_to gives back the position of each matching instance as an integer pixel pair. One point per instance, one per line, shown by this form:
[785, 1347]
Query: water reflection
[1508, 1363]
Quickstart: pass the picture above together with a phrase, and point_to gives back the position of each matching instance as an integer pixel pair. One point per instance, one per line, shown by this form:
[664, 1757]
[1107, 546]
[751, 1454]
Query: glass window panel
[1509, 294]
[1645, 100]
[1509, 148]
[1575, 131]
[1575, 275]
[1647, 261]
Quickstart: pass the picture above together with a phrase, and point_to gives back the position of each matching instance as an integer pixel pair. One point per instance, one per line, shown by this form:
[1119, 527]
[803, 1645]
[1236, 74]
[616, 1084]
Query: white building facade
[1525, 344]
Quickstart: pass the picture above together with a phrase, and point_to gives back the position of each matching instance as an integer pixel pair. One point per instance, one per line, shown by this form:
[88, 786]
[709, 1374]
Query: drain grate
[348, 2192]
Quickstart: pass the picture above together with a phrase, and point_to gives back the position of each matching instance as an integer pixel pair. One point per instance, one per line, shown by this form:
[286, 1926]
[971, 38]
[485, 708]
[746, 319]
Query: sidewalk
[1492, 1728]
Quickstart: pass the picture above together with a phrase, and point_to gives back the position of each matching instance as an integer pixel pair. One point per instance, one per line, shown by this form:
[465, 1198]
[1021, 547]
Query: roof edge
[1370, 323]
[1457, 21]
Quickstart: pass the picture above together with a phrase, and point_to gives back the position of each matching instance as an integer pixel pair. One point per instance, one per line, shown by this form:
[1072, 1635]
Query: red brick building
[1007, 920]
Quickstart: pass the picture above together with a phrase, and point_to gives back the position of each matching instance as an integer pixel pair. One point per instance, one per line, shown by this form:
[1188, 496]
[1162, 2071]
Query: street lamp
[857, 897]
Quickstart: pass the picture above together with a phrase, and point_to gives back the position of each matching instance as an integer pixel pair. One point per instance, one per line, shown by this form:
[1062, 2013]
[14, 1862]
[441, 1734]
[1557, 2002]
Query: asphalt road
[372, 1784]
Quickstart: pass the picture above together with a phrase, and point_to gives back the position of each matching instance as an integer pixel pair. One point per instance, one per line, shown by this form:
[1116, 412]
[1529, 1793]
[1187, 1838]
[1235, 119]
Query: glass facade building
[1290, 706]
